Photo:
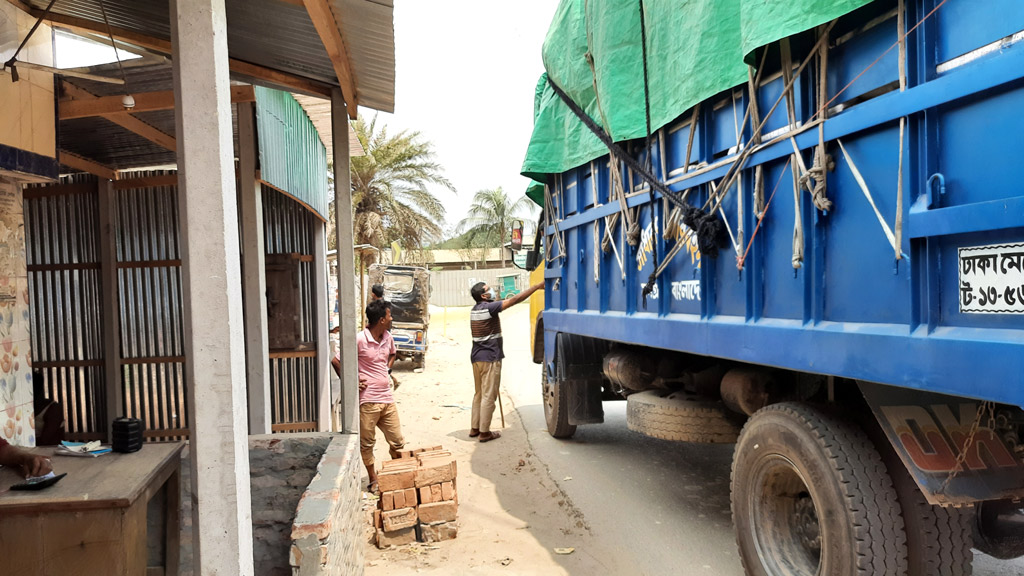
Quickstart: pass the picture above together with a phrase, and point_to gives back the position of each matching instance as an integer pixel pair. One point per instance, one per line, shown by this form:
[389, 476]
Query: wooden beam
[289, 81]
[147, 182]
[147, 131]
[327, 26]
[163, 46]
[144, 102]
[85, 165]
[126, 121]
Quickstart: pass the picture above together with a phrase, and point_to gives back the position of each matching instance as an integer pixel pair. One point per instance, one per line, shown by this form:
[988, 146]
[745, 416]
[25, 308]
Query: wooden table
[94, 521]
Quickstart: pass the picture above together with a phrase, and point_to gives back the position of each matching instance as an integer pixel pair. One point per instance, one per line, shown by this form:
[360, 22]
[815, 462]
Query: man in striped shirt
[487, 353]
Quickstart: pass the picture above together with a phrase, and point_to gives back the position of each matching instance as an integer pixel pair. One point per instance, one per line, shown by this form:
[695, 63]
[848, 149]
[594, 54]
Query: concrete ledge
[326, 533]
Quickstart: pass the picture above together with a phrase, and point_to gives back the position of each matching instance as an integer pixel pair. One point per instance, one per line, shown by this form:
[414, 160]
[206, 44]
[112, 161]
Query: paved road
[654, 507]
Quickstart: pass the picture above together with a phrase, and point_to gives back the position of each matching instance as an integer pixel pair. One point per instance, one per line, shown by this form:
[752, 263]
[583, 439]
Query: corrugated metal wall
[65, 289]
[151, 307]
[451, 287]
[62, 253]
[288, 229]
[292, 157]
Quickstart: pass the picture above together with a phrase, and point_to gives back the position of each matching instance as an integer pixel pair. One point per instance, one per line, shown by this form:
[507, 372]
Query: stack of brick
[418, 500]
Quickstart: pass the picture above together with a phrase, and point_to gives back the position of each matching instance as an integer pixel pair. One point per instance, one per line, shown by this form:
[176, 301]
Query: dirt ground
[512, 515]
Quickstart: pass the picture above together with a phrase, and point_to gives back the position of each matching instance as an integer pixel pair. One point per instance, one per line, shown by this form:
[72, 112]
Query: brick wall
[315, 476]
[327, 536]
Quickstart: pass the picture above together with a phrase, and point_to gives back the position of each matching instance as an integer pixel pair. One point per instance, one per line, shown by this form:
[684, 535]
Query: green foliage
[390, 196]
[489, 219]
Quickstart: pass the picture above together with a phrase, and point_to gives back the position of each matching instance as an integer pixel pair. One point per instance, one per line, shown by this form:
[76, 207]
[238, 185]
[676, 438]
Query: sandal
[372, 488]
[473, 432]
[488, 436]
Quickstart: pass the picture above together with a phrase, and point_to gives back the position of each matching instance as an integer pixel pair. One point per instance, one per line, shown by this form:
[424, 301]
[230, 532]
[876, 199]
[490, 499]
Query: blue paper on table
[81, 449]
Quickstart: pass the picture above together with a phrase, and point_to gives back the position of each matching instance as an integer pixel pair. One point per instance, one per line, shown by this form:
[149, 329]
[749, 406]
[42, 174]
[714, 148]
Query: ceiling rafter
[327, 26]
[276, 77]
[126, 121]
[77, 162]
[144, 102]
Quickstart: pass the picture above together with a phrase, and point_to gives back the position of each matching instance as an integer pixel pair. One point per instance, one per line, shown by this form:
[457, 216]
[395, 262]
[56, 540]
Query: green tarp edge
[535, 192]
[695, 49]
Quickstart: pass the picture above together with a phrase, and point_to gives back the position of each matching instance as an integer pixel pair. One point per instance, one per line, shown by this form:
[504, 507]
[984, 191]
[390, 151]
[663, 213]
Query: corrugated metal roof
[319, 111]
[107, 143]
[369, 33]
[278, 35]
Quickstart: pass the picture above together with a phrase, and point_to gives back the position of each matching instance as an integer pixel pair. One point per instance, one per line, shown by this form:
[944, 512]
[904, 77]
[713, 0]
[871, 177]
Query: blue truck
[798, 227]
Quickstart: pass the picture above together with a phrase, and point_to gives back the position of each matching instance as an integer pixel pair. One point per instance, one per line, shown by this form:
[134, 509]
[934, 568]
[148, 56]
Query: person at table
[49, 414]
[30, 465]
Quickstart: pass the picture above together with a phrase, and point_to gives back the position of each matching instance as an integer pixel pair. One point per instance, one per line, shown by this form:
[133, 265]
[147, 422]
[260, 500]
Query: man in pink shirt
[376, 352]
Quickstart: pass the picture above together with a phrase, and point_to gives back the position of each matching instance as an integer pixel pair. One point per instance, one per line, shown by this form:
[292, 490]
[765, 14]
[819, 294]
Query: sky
[465, 73]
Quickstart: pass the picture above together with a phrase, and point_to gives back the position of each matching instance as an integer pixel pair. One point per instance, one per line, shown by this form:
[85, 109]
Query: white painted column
[212, 289]
[254, 283]
[349, 398]
[323, 336]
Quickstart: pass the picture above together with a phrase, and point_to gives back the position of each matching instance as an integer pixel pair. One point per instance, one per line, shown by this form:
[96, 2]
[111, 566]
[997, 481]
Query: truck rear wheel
[556, 407]
[811, 495]
[939, 539]
[680, 417]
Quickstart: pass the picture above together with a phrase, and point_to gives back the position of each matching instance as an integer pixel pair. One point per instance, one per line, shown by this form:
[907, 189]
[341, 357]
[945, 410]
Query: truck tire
[556, 407]
[419, 361]
[681, 417]
[939, 540]
[811, 495]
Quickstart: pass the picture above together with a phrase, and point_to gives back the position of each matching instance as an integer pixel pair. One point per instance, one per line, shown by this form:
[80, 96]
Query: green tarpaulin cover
[695, 49]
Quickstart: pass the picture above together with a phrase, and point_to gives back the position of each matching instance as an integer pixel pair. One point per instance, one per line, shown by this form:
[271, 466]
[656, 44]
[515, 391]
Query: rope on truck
[699, 218]
[900, 27]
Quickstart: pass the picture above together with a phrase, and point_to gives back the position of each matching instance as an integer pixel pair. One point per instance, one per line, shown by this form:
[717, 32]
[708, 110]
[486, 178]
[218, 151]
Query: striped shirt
[486, 329]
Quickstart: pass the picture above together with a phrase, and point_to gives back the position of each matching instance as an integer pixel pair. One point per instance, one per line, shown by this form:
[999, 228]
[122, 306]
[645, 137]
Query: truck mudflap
[958, 450]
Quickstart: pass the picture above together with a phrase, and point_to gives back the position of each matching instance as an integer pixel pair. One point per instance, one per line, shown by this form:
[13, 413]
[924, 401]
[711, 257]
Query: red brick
[401, 518]
[401, 464]
[438, 512]
[448, 491]
[387, 500]
[397, 480]
[434, 472]
[426, 495]
[377, 520]
[400, 499]
[437, 532]
[435, 492]
[396, 537]
[410, 497]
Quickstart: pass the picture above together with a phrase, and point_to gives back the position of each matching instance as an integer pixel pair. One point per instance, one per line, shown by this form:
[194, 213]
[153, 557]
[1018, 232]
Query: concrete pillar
[349, 398]
[254, 282]
[212, 289]
[323, 337]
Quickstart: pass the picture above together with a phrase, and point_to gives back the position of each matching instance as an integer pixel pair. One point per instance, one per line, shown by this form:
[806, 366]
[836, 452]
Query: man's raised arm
[510, 302]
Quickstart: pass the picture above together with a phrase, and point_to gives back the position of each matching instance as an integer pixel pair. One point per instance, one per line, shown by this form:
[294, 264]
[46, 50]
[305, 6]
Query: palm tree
[390, 199]
[491, 215]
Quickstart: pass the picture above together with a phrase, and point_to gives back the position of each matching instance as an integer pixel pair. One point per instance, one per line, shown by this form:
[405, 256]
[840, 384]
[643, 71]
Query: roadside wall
[315, 472]
[327, 536]
[451, 287]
